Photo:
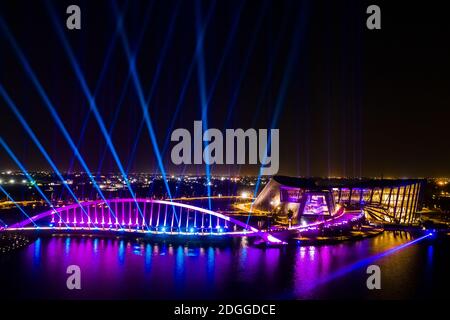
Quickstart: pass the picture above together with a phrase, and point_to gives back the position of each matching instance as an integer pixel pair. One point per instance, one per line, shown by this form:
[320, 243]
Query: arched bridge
[138, 215]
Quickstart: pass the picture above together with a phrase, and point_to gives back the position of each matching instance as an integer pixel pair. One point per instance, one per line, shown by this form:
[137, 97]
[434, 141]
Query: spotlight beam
[243, 72]
[113, 124]
[268, 76]
[144, 106]
[269, 73]
[124, 90]
[142, 101]
[163, 53]
[132, 154]
[226, 50]
[24, 123]
[155, 80]
[75, 150]
[92, 103]
[18, 207]
[201, 76]
[367, 261]
[293, 54]
[186, 81]
[106, 63]
[36, 141]
[125, 86]
[157, 73]
[225, 53]
[28, 176]
[50, 107]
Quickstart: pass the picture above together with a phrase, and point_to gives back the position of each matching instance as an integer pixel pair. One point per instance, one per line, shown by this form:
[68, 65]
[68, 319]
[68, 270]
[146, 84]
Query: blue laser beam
[269, 73]
[188, 76]
[59, 122]
[186, 80]
[76, 152]
[50, 107]
[202, 89]
[27, 175]
[18, 207]
[144, 107]
[113, 123]
[125, 87]
[155, 80]
[132, 154]
[163, 53]
[367, 261]
[156, 76]
[226, 50]
[92, 103]
[268, 76]
[293, 54]
[124, 90]
[142, 100]
[245, 65]
[142, 123]
[106, 63]
[36, 141]
[250, 49]
[24, 123]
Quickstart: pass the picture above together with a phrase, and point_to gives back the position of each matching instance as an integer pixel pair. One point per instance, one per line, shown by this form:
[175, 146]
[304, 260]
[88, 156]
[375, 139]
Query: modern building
[386, 200]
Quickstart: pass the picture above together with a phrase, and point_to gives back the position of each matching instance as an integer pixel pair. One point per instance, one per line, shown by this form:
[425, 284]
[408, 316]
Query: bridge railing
[146, 215]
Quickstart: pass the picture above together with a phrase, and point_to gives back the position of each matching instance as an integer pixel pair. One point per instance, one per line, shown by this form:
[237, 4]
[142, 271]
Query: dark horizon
[8, 172]
[358, 102]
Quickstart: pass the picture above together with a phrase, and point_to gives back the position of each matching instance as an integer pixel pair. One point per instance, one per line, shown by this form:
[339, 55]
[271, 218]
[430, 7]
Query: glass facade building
[383, 200]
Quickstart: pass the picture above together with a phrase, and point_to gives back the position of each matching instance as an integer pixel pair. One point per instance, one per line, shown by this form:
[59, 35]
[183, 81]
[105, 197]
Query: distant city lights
[244, 194]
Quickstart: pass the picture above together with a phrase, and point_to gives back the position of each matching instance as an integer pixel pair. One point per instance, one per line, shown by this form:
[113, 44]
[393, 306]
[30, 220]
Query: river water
[118, 268]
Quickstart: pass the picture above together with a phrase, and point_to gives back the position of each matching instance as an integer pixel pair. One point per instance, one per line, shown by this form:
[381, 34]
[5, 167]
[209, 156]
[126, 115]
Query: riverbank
[12, 241]
[352, 235]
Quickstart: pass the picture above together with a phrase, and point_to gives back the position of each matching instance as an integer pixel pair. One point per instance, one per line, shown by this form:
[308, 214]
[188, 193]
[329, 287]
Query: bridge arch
[139, 215]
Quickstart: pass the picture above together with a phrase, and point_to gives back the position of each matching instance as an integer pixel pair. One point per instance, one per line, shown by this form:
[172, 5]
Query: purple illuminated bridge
[150, 216]
[138, 215]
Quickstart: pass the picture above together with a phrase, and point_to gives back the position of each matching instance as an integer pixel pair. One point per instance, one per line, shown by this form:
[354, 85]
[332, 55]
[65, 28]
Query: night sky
[357, 102]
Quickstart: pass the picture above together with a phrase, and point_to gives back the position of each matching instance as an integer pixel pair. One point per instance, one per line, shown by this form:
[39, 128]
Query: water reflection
[37, 252]
[117, 268]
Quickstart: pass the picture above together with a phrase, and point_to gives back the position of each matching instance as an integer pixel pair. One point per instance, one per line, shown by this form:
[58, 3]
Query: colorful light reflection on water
[120, 268]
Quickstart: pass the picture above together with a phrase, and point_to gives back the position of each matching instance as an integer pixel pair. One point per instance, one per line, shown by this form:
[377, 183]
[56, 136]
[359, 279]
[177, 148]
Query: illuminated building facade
[386, 200]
